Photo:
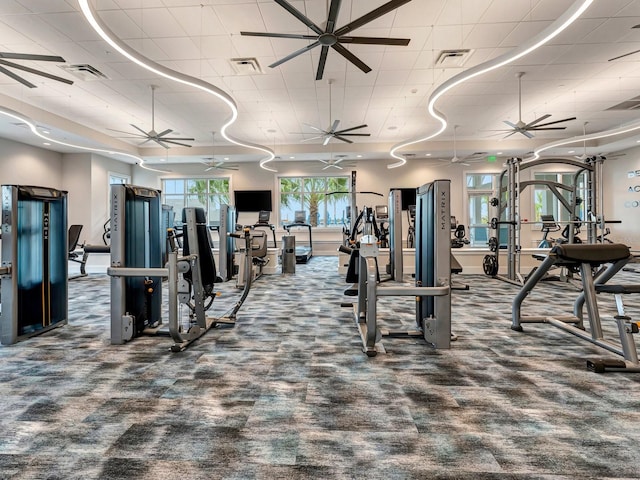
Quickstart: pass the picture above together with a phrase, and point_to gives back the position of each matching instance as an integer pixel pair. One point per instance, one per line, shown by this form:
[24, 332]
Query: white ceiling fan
[153, 136]
[332, 131]
[337, 163]
[526, 128]
[466, 160]
[212, 163]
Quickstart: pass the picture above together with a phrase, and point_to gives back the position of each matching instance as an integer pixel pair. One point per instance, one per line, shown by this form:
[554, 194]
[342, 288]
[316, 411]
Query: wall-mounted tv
[252, 200]
[408, 196]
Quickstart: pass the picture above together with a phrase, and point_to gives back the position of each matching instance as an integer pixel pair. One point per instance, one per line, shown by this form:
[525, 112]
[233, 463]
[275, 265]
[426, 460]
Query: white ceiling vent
[84, 72]
[453, 58]
[246, 66]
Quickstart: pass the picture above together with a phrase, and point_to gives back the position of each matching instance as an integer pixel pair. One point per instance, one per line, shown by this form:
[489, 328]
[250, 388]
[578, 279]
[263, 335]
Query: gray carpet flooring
[287, 393]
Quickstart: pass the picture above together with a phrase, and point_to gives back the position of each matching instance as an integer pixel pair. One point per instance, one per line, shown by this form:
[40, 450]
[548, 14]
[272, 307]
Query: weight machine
[432, 290]
[137, 251]
[507, 206]
[34, 261]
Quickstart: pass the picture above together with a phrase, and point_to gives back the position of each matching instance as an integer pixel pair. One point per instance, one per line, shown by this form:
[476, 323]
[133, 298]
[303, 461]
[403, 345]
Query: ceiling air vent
[453, 58]
[245, 66]
[632, 104]
[84, 72]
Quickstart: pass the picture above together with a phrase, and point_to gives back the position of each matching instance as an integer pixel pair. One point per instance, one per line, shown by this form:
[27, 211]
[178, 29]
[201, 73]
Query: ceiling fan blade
[300, 16]
[334, 125]
[18, 78]
[352, 128]
[170, 140]
[29, 56]
[321, 62]
[351, 57]
[334, 8]
[536, 129]
[525, 133]
[346, 140]
[402, 42]
[557, 121]
[537, 120]
[166, 132]
[353, 134]
[139, 129]
[133, 135]
[161, 143]
[36, 72]
[295, 54]
[209, 169]
[279, 35]
[327, 139]
[369, 17]
[314, 128]
[513, 125]
[625, 55]
[312, 138]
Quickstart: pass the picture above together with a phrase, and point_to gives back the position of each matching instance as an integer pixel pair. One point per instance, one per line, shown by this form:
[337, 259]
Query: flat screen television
[252, 200]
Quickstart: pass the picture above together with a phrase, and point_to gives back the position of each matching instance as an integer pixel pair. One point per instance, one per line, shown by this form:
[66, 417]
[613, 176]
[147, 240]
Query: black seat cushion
[591, 253]
[205, 255]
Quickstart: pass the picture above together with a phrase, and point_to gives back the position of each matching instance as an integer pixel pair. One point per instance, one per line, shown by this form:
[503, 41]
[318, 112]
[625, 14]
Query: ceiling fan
[213, 164]
[160, 138]
[466, 160]
[337, 163]
[332, 131]
[32, 57]
[526, 128]
[332, 37]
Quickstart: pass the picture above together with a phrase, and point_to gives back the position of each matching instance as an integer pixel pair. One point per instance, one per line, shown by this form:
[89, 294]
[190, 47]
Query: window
[118, 178]
[481, 187]
[208, 193]
[545, 202]
[317, 197]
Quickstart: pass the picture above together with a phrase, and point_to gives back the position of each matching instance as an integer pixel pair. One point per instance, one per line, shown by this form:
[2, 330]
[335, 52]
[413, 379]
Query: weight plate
[494, 223]
[493, 244]
[494, 202]
[490, 265]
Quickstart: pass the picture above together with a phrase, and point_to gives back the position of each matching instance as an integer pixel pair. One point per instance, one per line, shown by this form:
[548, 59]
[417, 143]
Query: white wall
[76, 172]
[22, 164]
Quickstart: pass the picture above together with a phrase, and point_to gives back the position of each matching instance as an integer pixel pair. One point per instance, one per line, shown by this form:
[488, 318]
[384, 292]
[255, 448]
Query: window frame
[303, 180]
[186, 194]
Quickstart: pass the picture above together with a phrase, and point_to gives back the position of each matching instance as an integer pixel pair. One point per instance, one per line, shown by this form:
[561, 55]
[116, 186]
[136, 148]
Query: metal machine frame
[433, 275]
[123, 324]
[34, 262]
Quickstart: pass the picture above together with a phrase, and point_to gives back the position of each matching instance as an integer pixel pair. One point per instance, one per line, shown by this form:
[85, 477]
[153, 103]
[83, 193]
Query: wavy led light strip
[108, 36]
[566, 19]
[583, 138]
[34, 129]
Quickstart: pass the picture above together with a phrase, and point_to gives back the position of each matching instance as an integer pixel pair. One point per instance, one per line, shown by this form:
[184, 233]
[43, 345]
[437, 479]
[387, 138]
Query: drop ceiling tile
[250, 20]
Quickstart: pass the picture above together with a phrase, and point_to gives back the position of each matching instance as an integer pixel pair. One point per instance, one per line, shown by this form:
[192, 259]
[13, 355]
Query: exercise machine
[137, 244]
[73, 236]
[432, 290]
[105, 248]
[254, 253]
[588, 258]
[303, 252]
[264, 222]
[548, 225]
[34, 261]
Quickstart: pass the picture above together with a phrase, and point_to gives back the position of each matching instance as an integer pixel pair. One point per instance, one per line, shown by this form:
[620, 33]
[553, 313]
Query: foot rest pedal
[601, 365]
[351, 292]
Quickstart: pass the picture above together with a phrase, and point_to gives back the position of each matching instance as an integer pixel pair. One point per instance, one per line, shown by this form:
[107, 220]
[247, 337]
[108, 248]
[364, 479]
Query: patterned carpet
[287, 393]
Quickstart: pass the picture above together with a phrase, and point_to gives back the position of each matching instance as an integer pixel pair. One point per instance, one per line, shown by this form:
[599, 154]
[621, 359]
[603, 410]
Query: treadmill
[303, 252]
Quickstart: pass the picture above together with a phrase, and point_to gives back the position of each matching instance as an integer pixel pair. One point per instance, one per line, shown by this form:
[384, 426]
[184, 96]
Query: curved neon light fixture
[108, 36]
[583, 138]
[566, 19]
[34, 129]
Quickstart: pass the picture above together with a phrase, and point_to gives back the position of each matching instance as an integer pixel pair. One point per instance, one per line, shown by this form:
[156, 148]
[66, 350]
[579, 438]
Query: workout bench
[586, 258]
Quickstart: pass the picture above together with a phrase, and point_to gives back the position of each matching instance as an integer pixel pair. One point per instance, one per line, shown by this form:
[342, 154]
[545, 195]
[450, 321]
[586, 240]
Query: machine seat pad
[97, 248]
[591, 253]
[617, 288]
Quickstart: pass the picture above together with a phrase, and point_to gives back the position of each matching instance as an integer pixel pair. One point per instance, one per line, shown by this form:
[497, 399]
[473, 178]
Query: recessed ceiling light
[427, 154]
[291, 158]
[637, 141]
[498, 153]
[572, 151]
[226, 158]
[46, 143]
[163, 159]
[360, 156]
[45, 131]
